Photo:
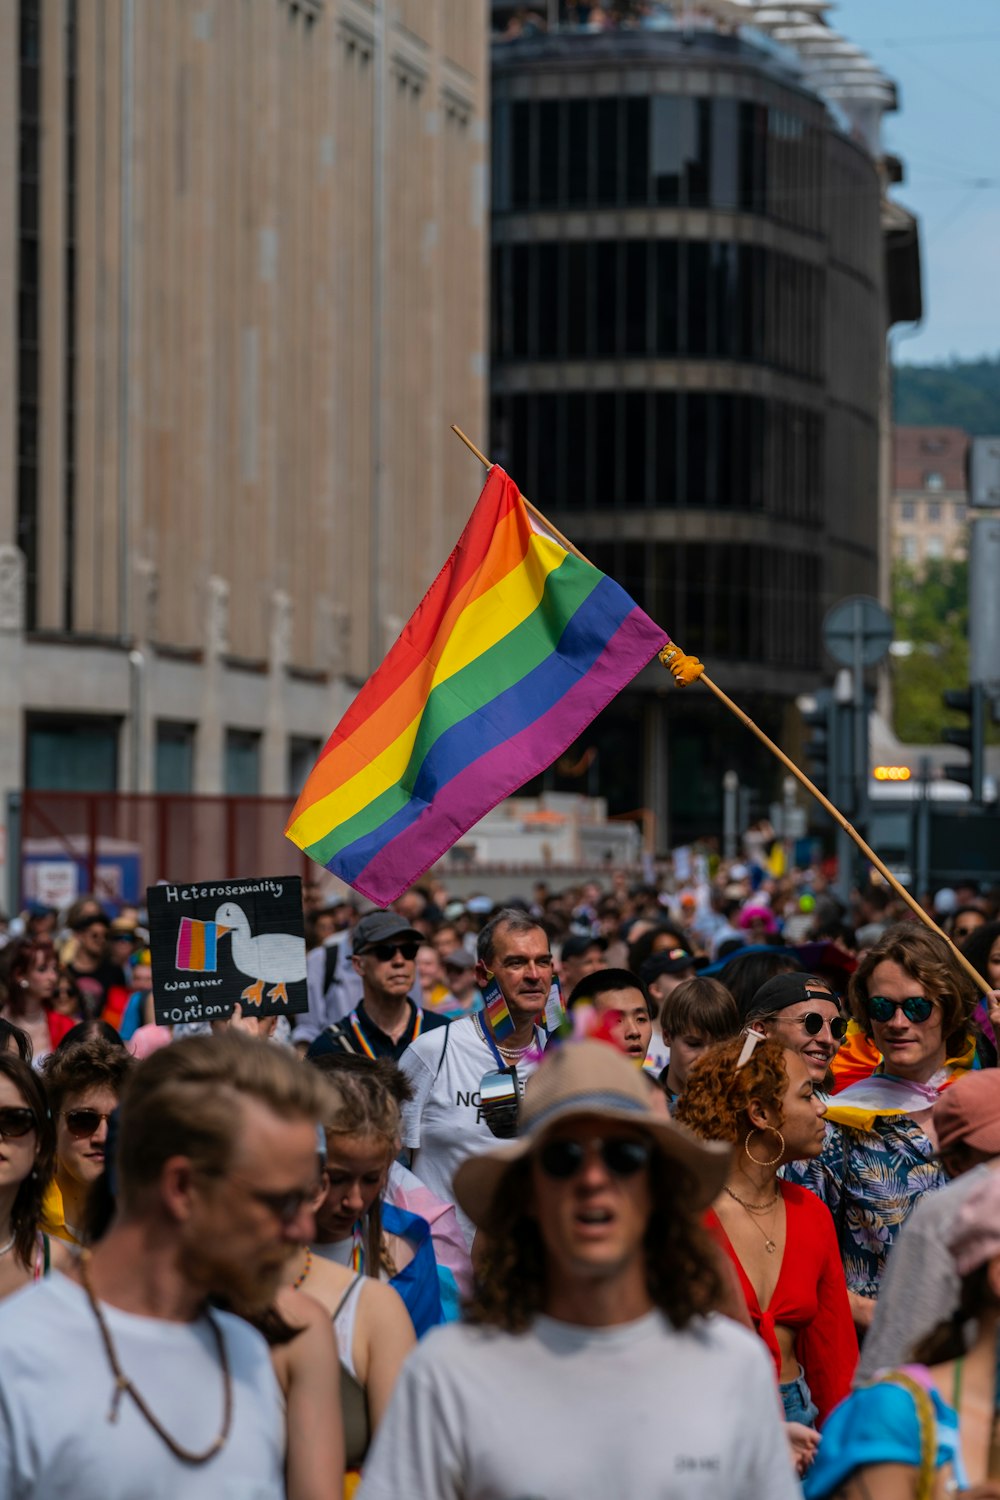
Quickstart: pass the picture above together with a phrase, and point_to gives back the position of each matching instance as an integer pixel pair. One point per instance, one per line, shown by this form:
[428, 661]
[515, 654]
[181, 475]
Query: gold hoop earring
[773, 1161]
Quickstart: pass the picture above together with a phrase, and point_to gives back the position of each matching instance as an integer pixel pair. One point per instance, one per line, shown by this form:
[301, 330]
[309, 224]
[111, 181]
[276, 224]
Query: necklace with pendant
[770, 1245]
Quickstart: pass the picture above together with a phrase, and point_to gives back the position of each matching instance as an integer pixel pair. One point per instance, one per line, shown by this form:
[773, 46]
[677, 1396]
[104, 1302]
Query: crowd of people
[687, 1188]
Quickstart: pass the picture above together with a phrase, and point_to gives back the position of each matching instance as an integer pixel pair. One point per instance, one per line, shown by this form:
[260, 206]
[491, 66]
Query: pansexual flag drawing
[515, 648]
[197, 945]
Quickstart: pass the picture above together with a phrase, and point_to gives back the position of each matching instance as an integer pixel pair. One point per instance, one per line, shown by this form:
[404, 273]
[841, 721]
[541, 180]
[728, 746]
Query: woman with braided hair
[781, 1240]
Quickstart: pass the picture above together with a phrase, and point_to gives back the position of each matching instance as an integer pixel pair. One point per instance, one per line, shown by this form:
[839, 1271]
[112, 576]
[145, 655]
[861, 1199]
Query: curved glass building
[693, 274]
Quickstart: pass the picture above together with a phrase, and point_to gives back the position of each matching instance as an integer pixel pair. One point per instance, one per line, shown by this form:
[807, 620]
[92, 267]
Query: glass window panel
[606, 152]
[501, 157]
[577, 300]
[673, 136]
[577, 152]
[71, 755]
[725, 153]
[520, 154]
[174, 769]
[576, 468]
[241, 772]
[547, 299]
[700, 160]
[519, 302]
[549, 463]
[606, 290]
[667, 298]
[665, 456]
[549, 128]
[636, 151]
[696, 298]
[636, 300]
[696, 438]
[605, 434]
[634, 457]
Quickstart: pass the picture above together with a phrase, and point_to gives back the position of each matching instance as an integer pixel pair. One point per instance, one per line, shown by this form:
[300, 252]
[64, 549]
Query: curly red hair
[715, 1101]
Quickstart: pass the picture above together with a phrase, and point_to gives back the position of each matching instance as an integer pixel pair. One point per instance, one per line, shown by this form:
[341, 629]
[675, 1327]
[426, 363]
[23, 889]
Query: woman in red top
[32, 976]
[780, 1237]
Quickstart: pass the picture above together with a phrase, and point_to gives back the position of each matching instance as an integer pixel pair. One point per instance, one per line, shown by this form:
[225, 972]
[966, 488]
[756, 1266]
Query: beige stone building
[242, 296]
[929, 509]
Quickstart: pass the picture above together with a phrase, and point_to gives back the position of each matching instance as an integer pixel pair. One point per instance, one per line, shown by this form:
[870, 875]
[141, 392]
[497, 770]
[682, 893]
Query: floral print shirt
[870, 1181]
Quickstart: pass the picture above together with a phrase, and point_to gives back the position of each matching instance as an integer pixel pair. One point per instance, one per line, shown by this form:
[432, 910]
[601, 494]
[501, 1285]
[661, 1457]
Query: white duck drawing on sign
[274, 958]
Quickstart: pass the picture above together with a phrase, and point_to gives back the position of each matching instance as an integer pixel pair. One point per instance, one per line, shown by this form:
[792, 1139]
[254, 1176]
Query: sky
[945, 59]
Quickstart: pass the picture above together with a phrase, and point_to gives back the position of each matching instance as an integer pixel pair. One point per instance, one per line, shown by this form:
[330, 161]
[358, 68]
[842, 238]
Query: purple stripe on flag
[460, 803]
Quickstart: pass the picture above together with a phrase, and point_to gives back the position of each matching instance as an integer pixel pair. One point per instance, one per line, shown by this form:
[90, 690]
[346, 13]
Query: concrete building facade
[930, 494]
[242, 296]
[693, 276]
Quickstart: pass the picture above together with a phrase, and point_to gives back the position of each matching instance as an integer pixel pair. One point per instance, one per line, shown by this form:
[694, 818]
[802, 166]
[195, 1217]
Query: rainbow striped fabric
[196, 945]
[515, 648]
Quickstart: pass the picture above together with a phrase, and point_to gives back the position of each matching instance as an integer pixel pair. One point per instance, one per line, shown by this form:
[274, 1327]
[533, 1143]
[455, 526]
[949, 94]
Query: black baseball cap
[785, 990]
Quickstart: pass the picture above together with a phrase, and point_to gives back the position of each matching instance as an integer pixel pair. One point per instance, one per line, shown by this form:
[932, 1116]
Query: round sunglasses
[814, 1023]
[622, 1158]
[16, 1120]
[915, 1008]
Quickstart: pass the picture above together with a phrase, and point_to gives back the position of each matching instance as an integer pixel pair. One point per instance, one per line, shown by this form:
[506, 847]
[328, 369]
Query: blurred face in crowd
[239, 1229]
[685, 1050]
[66, 997]
[446, 940]
[634, 1026]
[966, 923]
[82, 1134]
[356, 1168]
[993, 965]
[17, 1152]
[92, 940]
[572, 970]
[43, 975]
[429, 970]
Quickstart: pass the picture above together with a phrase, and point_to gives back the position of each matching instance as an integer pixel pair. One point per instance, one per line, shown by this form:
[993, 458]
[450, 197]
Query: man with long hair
[591, 1364]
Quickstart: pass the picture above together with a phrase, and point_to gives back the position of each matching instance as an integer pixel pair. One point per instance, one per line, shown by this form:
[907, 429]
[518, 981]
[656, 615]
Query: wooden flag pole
[800, 776]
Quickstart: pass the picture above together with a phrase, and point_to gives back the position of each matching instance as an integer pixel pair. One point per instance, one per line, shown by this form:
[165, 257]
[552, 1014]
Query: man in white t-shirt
[118, 1382]
[591, 1329]
[445, 1121]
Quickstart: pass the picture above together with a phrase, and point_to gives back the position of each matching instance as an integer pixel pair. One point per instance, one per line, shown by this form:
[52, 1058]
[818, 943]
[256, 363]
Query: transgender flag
[515, 648]
[196, 945]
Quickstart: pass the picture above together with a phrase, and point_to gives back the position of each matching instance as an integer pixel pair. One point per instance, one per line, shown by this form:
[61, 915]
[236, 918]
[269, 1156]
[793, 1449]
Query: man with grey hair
[445, 1122]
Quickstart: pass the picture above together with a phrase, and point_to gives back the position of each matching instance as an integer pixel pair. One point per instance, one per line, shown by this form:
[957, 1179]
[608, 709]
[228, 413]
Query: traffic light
[969, 701]
[817, 710]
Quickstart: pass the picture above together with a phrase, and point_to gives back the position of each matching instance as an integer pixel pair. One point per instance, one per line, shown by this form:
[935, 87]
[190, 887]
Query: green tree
[931, 611]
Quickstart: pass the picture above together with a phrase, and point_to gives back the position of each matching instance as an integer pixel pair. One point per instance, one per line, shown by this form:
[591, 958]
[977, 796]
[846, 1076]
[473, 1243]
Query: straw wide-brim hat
[589, 1078]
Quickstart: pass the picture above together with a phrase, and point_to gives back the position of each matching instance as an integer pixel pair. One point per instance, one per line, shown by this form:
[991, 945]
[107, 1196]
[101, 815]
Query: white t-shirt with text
[443, 1123]
[569, 1413]
[56, 1390]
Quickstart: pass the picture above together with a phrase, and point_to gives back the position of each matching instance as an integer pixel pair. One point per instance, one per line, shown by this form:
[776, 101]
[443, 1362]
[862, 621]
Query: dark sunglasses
[814, 1023]
[915, 1008]
[16, 1121]
[499, 1102]
[286, 1207]
[84, 1122]
[386, 951]
[622, 1157]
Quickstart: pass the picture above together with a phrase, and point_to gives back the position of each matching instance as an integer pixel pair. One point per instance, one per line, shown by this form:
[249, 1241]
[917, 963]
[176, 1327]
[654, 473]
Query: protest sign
[219, 942]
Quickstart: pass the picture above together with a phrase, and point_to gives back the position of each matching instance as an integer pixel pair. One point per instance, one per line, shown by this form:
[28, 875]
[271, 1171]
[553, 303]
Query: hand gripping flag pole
[687, 669]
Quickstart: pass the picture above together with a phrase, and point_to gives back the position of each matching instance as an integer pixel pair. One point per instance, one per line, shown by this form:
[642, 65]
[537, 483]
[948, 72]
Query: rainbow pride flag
[515, 648]
[196, 945]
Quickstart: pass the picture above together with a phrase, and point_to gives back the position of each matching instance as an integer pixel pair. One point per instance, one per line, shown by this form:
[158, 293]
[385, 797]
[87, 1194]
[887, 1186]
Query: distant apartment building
[928, 516]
